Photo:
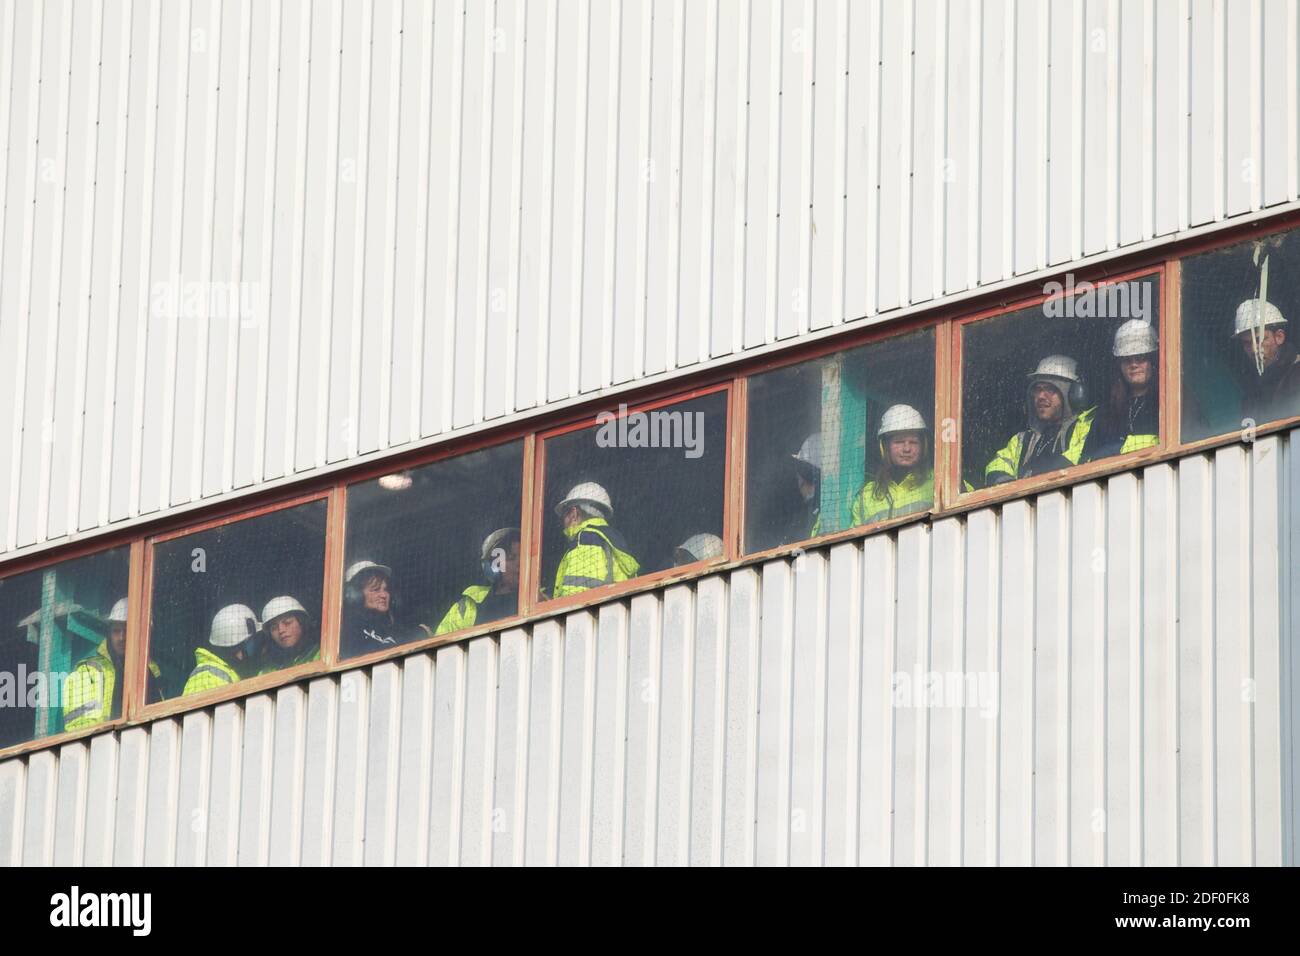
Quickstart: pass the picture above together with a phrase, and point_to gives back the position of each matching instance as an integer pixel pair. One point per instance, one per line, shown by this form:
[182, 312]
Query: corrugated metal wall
[240, 241]
[1134, 625]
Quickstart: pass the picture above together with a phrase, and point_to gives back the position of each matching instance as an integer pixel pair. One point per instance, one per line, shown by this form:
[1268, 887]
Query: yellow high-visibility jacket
[88, 694]
[593, 559]
[210, 672]
[312, 655]
[905, 497]
[1138, 442]
[464, 612]
[1007, 460]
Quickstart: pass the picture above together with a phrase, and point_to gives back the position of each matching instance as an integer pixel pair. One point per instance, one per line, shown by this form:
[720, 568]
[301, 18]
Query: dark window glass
[636, 493]
[839, 441]
[1072, 380]
[1240, 306]
[432, 550]
[62, 647]
[236, 601]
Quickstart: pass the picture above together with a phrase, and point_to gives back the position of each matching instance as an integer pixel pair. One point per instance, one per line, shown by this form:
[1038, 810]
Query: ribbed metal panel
[1135, 626]
[443, 214]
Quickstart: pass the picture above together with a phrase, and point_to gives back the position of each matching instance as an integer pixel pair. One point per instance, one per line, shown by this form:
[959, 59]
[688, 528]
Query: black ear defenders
[490, 571]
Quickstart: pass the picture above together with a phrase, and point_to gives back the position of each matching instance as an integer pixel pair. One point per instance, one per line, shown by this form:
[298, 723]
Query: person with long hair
[904, 480]
[1130, 419]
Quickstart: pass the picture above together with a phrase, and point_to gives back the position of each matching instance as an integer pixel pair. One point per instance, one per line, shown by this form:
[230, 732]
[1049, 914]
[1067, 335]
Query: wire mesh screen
[638, 492]
[213, 589]
[816, 459]
[1239, 308]
[432, 550]
[1043, 388]
[61, 654]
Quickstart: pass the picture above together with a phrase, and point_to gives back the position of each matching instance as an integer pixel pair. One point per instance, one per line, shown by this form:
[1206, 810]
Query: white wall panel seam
[360, 248]
[83, 306]
[388, 316]
[166, 395]
[202, 411]
[56, 259]
[7, 73]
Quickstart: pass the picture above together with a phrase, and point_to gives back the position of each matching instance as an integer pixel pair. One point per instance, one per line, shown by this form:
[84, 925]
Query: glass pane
[62, 646]
[432, 550]
[1072, 380]
[236, 601]
[1240, 366]
[839, 441]
[636, 493]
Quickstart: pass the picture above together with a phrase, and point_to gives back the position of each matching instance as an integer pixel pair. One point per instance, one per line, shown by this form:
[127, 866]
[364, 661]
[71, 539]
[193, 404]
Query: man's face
[286, 631]
[117, 639]
[1048, 405]
[904, 449]
[572, 516]
[1136, 370]
[1269, 342]
[806, 487]
[375, 593]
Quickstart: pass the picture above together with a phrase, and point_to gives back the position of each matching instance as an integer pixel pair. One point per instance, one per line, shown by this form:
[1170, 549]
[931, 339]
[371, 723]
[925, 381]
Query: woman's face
[1136, 370]
[375, 593]
[286, 631]
[904, 449]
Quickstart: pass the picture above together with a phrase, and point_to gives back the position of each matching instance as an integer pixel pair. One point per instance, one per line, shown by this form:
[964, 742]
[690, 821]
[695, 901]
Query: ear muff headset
[354, 596]
[1076, 395]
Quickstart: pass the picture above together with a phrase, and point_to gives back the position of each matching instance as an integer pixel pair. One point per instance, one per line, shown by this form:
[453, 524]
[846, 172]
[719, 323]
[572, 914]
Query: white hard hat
[1134, 337]
[495, 538]
[1060, 367]
[900, 418]
[233, 625]
[810, 452]
[118, 614]
[587, 492]
[1248, 316]
[700, 547]
[280, 606]
[360, 566]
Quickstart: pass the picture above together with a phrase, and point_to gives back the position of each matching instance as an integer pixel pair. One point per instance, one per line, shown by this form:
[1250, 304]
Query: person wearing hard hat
[597, 553]
[698, 547]
[93, 692]
[1130, 421]
[1274, 390]
[904, 481]
[291, 639]
[369, 618]
[228, 658]
[1057, 427]
[497, 596]
[805, 518]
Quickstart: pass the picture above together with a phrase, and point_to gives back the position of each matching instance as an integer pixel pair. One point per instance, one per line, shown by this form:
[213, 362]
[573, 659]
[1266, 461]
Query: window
[236, 601]
[432, 550]
[839, 441]
[636, 493]
[1070, 380]
[63, 646]
[1240, 306]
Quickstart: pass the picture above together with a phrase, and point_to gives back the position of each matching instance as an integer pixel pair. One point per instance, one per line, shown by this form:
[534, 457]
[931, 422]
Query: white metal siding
[450, 213]
[1135, 623]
